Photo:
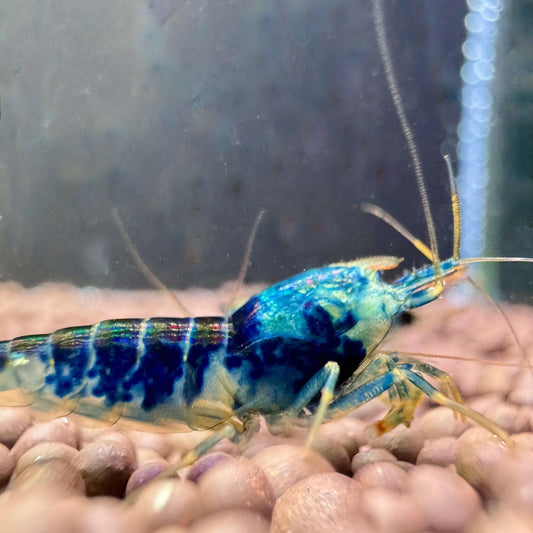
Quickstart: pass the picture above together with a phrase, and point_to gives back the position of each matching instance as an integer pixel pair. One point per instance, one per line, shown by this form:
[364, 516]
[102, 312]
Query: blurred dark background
[510, 206]
[189, 117]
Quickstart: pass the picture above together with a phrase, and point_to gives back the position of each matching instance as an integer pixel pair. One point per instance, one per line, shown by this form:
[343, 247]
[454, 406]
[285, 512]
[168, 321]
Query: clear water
[189, 117]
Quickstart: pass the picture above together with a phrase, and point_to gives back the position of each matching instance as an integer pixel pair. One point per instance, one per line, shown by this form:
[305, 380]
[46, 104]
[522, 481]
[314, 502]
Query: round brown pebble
[404, 465]
[59, 430]
[511, 480]
[446, 500]
[147, 455]
[106, 466]
[231, 521]
[440, 422]
[31, 513]
[7, 465]
[479, 453]
[389, 510]
[348, 431]
[159, 443]
[167, 502]
[44, 451]
[320, 503]
[144, 474]
[522, 441]
[334, 452]
[527, 411]
[198, 469]
[56, 473]
[286, 464]
[104, 514]
[496, 379]
[13, 423]
[236, 483]
[522, 390]
[501, 518]
[67, 510]
[89, 433]
[370, 455]
[483, 402]
[175, 458]
[512, 418]
[440, 452]
[116, 436]
[404, 443]
[385, 474]
[264, 440]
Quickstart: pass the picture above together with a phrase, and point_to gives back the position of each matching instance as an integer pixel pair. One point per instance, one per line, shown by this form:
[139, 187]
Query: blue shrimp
[302, 351]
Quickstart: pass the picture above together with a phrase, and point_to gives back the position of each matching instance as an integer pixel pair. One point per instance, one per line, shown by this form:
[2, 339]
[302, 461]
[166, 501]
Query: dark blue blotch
[232, 361]
[256, 364]
[353, 349]
[160, 366]
[353, 353]
[294, 355]
[320, 324]
[256, 373]
[115, 347]
[198, 361]
[4, 355]
[70, 364]
[246, 326]
[297, 385]
[263, 355]
[97, 391]
[268, 351]
[347, 322]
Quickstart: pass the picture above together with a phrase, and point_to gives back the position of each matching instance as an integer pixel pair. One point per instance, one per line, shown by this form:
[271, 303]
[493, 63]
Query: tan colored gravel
[442, 474]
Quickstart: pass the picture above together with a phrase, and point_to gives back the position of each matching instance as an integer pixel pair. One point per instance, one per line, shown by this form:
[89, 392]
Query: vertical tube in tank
[477, 73]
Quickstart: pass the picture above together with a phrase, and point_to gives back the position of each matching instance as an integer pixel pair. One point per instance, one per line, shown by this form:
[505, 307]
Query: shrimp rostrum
[302, 351]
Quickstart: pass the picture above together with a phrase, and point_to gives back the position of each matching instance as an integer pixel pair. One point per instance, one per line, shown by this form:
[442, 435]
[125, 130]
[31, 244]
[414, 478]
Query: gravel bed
[442, 474]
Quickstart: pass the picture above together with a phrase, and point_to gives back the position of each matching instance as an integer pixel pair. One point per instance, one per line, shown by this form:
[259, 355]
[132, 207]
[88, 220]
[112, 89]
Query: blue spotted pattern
[161, 364]
[261, 356]
[70, 353]
[115, 347]
[209, 339]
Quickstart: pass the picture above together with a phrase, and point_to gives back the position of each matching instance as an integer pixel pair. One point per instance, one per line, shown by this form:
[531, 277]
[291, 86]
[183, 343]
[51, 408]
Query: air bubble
[468, 74]
[474, 23]
[484, 70]
[475, 5]
[490, 14]
[472, 49]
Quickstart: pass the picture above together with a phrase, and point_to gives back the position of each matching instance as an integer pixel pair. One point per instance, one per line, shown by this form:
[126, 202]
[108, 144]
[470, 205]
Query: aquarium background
[510, 198]
[189, 117]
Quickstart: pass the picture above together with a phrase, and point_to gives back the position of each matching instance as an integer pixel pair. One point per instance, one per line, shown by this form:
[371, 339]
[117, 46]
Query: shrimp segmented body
[303, 350]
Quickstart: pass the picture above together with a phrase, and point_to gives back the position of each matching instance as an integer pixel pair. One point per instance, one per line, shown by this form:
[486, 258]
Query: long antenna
[245, 261]
[456, 209]
[400, 228]
[478, 360]
[380, 213]
[143, 267]
[384, 50]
